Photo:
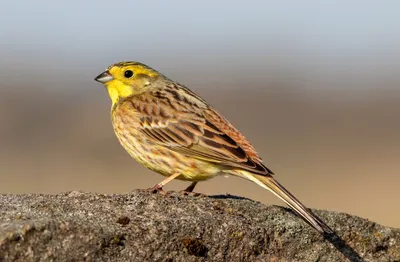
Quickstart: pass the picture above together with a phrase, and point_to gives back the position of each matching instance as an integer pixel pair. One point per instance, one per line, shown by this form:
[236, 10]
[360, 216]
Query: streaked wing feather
[225, 127]
[220, 123]
[198, 132]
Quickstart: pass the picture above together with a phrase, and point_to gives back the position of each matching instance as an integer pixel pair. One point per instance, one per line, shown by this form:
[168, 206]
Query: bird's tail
[268, 182]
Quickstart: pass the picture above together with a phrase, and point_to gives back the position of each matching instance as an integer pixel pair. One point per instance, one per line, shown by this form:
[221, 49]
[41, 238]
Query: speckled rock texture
[143, 226]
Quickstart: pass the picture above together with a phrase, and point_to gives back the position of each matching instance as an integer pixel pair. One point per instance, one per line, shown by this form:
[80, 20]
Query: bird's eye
[128, 73]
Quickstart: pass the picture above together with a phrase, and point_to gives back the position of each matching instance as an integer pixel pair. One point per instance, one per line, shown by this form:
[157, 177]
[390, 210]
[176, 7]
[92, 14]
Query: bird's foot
[191, 193]
[157, 189]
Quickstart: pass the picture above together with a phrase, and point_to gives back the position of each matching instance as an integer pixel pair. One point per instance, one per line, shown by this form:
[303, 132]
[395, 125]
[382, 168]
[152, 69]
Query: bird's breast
[156, 157]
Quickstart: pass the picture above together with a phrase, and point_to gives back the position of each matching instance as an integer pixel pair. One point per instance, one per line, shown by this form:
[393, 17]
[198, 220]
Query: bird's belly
[165, 161]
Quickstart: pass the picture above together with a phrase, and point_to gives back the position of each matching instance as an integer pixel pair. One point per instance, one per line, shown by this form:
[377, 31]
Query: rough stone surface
[142, 226]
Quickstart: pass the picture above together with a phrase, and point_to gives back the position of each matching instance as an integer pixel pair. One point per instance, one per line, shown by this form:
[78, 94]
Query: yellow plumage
[173, 131]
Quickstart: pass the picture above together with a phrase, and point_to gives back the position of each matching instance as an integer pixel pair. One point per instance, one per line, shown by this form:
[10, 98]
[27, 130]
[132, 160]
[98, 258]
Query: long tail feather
[269, 183]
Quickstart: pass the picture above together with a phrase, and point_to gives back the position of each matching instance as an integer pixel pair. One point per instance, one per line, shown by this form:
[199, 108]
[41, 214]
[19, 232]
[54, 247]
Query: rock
[141, 226]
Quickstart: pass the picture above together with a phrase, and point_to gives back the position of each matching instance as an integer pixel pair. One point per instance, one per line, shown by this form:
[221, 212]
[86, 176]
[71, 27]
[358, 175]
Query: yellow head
[126, 79]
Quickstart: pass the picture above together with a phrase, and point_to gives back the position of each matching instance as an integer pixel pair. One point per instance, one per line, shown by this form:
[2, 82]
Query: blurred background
[314, 85]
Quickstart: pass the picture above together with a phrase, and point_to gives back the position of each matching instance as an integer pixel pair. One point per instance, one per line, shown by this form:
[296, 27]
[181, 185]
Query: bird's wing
[197, 131]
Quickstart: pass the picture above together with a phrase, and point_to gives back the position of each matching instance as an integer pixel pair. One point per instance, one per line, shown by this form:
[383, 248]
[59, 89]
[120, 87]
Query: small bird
[171, 130]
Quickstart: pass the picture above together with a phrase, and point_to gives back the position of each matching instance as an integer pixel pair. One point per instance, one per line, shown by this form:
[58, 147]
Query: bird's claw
[190, 193]
[157, 189]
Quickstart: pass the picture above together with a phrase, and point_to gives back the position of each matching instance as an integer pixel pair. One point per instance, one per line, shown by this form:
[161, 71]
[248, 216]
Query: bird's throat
[118, 90]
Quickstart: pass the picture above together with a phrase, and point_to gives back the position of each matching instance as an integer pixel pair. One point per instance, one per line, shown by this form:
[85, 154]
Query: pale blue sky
[90, 33]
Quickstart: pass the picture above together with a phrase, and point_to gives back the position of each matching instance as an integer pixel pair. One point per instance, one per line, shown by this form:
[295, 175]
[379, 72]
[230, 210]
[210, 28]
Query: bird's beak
[104, 77]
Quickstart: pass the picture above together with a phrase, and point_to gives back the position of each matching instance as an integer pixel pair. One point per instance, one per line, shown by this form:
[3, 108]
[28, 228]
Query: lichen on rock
[141, 226]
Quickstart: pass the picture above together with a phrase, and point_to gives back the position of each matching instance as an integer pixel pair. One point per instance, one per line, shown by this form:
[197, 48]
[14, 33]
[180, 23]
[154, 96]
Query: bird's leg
[191, 187]
[189, 190]
[159, 187]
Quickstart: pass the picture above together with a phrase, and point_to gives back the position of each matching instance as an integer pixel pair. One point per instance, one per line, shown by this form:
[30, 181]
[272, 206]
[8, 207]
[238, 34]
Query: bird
[171, 130]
